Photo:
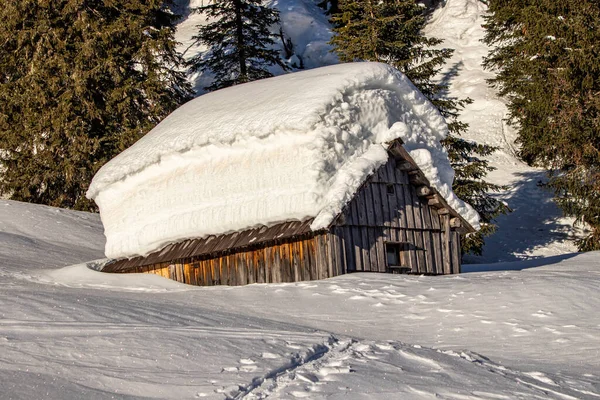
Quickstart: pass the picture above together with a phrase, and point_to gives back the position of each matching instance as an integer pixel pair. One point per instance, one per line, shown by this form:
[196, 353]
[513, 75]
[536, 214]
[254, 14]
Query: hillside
[536, 227]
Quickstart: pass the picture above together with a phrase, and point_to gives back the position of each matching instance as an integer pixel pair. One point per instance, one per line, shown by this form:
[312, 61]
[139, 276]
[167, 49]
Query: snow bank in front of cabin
[292, 147]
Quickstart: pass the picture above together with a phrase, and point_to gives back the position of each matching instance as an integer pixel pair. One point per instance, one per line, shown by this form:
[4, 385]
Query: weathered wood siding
[301, 260]
[387, 209]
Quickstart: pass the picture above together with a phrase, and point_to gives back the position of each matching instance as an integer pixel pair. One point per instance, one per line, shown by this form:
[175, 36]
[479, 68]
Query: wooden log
[434, 201]
[424, 191]
[455, 223]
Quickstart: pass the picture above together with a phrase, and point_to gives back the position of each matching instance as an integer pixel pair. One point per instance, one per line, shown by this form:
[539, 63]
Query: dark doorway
[396, 257]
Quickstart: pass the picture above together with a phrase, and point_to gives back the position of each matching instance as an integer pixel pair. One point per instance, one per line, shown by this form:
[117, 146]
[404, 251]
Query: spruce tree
[546, 57]
[80, 81]
[390, 31]
[239, 42]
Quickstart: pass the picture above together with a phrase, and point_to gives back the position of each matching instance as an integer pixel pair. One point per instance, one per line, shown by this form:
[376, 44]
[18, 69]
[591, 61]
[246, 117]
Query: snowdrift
[292, 147]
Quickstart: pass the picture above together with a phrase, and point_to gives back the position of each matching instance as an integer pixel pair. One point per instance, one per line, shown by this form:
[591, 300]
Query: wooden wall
[293, 261]
[388, 208]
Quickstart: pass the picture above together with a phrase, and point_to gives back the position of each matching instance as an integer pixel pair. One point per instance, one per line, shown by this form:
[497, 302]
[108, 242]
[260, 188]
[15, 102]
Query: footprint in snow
[248, 365]
[270, 356]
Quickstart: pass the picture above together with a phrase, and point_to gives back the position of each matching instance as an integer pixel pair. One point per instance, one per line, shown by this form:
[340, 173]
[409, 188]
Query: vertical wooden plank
[216, 271]
[456, 252]
[427, 244]
[362, 210]
[421, 263]
[364, 247]
[259, 267]
[268, 264]
[208, 272]
[320, 255]
[377, 194]
[367, 193]
[349, 262]
[295, 262]
[439, 258]
[372, 235]
[416, 206]
[435, 219]
[335, 253]
[395, 206]
[198, 273]
[276, 270]
[426, 214]
[408, 207]
[315, 271]
[284, 261]
[447, 253]
[240, 269]
[412, 250]
[356, 242]
[330, 255]
[380, 248]
[385, 206]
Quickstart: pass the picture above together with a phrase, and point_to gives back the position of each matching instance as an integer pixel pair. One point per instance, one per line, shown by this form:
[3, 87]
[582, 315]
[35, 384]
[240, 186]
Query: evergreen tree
[80, 81]
[390, 31]
[548, 67]
[239, 41]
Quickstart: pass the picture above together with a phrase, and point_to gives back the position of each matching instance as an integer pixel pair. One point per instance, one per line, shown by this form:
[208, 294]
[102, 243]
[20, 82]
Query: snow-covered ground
[72, 332]
[521, 330]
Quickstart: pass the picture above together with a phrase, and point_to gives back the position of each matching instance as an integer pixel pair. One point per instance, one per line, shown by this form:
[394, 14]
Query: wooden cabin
[396, 223]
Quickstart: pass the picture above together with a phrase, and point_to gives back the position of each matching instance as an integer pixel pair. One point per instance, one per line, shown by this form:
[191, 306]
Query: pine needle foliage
[390, 31]
[547, 60]
[239, 41]
[80, 81]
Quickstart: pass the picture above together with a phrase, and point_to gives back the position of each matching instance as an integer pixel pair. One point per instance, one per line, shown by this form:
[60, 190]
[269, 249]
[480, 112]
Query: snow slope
[70, 333]
[536, 228]
[292, 147]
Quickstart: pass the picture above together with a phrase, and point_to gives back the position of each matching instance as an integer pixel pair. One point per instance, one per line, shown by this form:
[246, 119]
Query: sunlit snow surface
[71, 333]
[536, 227]
[292, 147]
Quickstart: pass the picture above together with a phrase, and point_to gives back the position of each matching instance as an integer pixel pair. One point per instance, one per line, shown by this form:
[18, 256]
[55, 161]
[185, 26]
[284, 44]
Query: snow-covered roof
[292, 147]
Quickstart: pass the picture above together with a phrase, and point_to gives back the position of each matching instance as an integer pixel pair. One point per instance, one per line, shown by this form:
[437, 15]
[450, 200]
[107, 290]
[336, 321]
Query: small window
[395, 256]
[391, 189]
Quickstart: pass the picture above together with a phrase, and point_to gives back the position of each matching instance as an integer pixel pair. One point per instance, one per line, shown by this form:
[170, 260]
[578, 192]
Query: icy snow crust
[292, 147]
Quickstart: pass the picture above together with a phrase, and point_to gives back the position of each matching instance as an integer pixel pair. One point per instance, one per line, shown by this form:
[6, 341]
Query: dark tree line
[80, 81]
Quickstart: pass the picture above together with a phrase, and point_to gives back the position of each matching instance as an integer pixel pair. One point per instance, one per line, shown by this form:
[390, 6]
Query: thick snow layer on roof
[292, 147]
